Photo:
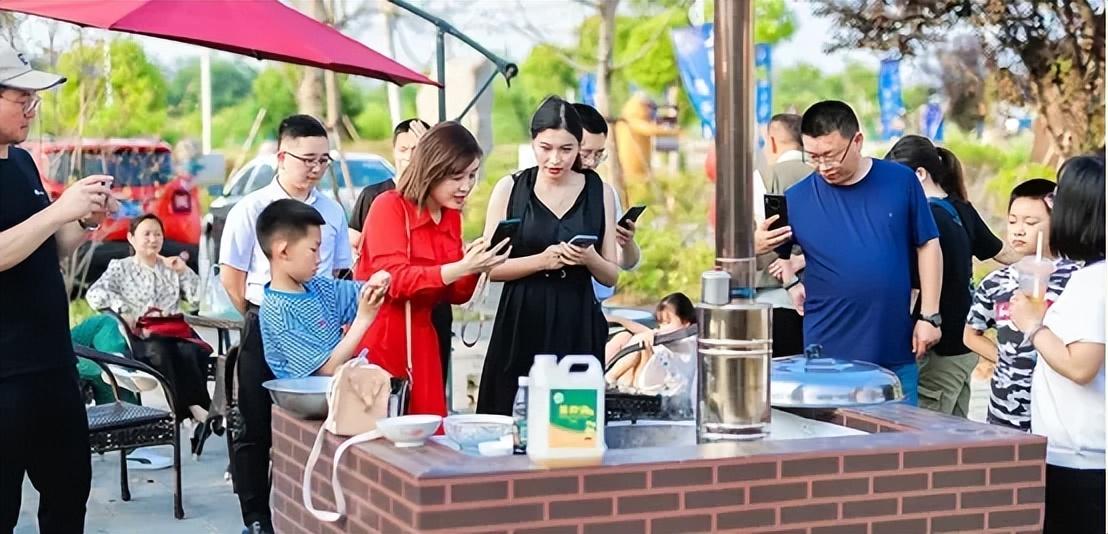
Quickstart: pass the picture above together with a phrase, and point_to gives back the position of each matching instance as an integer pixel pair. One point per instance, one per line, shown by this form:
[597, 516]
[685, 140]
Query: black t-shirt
[34, 307]
[365, 200]
[960, 240]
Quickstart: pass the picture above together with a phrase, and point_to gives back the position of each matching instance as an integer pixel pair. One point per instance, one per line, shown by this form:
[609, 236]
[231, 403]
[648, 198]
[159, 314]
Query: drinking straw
[1038, 260]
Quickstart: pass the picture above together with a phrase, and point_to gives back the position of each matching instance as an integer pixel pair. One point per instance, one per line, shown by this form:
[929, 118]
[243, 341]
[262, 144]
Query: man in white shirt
[302, 159]
[592, 155]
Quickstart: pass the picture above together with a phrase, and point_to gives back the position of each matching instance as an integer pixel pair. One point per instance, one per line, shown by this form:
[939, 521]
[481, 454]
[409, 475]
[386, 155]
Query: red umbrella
[264, 29]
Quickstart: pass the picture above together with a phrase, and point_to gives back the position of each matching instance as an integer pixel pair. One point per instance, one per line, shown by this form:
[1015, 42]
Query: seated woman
[146, 283]
[673, 313]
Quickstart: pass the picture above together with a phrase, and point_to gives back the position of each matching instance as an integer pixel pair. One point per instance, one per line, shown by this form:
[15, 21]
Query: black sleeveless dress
[549, 312]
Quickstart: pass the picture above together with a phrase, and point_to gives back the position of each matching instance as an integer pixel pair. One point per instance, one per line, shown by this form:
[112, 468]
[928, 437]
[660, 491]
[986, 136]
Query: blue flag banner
[586, 89]
[889, 99]
[931, 121]
[763, 64]
[693, 47]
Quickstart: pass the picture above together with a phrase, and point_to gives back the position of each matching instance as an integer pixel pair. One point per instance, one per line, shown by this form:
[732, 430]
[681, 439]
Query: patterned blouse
[131, 289]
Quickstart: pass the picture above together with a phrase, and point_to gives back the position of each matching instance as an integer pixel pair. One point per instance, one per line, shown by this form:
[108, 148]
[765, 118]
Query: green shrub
[374, 122]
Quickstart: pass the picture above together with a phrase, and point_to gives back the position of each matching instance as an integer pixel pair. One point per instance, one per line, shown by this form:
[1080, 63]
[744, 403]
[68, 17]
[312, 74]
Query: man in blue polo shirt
[864, 226]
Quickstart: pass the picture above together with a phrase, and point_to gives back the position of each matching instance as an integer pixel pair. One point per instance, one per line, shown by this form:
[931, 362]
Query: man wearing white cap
[45, 430]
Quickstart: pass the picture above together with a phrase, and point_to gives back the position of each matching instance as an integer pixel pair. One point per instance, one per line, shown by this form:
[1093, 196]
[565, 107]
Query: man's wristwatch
[792, 284]
[934, 319]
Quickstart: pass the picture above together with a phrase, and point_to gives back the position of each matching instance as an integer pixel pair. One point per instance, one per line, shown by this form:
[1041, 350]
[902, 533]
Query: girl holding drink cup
[1067, 391]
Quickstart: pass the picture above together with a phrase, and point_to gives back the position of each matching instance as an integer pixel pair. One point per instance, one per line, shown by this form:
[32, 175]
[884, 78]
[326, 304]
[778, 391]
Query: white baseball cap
[16, 72]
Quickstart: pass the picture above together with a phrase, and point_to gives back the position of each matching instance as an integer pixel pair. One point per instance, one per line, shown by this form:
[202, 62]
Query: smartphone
[505, 229]
[583, 240]
[778, 205]
[632, 215]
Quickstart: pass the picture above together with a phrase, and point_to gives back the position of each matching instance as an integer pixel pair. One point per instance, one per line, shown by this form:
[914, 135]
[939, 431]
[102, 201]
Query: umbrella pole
[440, 54]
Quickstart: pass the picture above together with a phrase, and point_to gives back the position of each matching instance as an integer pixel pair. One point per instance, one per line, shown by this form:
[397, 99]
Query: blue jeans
[909, 381]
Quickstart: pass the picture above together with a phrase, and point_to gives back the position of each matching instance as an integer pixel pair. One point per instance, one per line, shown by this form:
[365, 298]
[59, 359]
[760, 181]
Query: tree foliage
[231, 83]
[113, 90]
[1047, 52]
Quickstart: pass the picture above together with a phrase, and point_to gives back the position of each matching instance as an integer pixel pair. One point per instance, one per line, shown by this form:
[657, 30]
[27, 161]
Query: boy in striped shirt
[303, 315]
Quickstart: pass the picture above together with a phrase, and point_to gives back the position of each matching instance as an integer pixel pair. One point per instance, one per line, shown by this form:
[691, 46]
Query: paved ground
[210, 505]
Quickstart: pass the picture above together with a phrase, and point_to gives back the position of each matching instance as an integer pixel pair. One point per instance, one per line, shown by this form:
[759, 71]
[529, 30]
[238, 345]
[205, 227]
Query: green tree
[799, 86]
[231, 84]
[114, 91]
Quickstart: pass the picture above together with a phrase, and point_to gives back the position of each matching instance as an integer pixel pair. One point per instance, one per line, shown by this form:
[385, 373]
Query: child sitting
[303, 315]
[674, 312]
[1029, 211]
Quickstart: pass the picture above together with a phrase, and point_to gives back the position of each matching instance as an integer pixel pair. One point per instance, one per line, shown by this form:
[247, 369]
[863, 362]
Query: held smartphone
[583, 240]
[632, 215]
[505, 229]
[777, 205]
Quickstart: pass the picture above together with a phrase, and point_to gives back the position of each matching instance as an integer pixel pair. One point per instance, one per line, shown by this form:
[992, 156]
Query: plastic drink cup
[1034, 275]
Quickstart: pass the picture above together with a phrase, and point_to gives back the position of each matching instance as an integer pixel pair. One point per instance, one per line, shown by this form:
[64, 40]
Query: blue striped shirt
[299, 330]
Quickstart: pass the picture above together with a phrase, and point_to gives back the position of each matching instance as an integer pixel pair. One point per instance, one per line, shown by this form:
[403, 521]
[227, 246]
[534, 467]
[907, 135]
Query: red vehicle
[145, 182]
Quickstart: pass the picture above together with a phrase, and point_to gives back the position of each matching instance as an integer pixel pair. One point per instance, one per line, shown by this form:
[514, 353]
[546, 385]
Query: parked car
[365, 169]
[145, 182]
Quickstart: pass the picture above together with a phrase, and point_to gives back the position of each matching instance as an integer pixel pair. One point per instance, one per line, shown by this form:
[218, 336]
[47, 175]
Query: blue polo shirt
[299, 330]
[860, 245]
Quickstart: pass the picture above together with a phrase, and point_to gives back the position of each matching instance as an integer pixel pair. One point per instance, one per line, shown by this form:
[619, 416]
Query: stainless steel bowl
[305, 397]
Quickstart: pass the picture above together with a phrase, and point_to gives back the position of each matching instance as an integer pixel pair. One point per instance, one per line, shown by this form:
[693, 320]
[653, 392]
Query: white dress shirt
[239, 246]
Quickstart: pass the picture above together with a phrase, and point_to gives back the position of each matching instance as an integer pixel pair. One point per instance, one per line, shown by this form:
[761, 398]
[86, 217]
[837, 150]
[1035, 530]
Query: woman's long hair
[446, 150]
[916, 151]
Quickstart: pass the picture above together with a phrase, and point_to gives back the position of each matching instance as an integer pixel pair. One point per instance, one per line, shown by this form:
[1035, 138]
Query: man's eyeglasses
[30, 104]
[311, 163]
[829, 161]
[597, 157]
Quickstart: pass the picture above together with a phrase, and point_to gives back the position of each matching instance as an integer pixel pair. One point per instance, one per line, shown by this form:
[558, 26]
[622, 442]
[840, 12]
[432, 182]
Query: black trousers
[1074, 501]
[788, 333]
[442, 318]
[250, 449]
[184, 365]
[45, 436]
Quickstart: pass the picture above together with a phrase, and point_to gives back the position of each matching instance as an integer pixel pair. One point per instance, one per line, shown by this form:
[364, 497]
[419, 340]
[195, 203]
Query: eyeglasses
[830, 161]
[30, 104]
[312, 163]
[597, 157]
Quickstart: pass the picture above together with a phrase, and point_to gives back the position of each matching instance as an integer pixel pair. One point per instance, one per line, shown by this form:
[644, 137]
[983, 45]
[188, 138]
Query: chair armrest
[103, 359]
[660, 339]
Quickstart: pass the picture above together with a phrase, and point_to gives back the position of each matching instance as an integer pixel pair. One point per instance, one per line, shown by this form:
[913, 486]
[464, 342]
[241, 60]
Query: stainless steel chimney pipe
[734, 345]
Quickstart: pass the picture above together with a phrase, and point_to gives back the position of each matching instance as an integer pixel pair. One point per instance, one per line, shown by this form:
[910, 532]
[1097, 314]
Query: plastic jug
[565, 411]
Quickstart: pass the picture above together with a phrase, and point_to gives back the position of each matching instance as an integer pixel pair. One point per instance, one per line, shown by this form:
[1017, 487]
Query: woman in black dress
[548, 305]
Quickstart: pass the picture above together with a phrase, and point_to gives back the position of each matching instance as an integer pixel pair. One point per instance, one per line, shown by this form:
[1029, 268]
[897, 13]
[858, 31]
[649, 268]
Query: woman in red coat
[417, 238]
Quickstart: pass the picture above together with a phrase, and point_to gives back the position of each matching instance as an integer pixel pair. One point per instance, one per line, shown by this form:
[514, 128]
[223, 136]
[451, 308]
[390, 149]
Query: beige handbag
[359, 396]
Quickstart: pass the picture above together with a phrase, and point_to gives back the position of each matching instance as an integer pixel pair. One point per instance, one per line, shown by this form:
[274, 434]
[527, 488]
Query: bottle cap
[523, 381]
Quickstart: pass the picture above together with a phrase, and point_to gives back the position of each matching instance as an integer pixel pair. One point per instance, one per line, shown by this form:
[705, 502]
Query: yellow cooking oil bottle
[565, 411]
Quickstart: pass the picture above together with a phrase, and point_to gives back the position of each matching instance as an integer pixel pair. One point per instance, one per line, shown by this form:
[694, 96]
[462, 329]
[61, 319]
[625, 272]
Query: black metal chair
[122, 426]
[204, 430]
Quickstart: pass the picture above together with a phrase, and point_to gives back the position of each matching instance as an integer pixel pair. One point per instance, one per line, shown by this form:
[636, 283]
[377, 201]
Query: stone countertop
[893, 426]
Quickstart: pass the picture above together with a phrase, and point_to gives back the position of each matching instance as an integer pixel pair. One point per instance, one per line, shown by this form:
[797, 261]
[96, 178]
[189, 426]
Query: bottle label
[573, 418]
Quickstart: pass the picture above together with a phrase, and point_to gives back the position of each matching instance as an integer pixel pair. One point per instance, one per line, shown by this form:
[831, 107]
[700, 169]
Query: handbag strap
[408, 303]
[313, 457]
[479, 295]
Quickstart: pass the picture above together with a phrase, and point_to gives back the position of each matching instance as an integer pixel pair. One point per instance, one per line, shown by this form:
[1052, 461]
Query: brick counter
[918, 472]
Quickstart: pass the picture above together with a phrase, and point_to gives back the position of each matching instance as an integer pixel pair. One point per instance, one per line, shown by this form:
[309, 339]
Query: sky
[490, 22]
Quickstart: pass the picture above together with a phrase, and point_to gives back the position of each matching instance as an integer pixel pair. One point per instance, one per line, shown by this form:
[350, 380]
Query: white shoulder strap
[313, 457]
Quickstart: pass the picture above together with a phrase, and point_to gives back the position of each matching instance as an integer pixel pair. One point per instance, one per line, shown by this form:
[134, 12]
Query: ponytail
[953, 179]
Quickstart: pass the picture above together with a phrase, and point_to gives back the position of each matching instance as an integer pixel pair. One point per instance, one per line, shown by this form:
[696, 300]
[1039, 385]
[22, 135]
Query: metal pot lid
[813, 380]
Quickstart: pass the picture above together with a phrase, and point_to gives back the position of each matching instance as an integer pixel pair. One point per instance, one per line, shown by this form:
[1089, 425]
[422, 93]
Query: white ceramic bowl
[409, 430]
[469, 430]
